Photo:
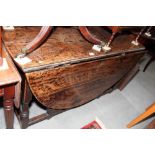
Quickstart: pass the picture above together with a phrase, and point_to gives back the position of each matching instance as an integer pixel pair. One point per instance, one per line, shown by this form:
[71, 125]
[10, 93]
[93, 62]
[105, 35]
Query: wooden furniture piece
[149, 43]
[9, 88]
[65, 72]
[1, 60]
[106, 45]
[37, 41]
[152, 54]
[149, 111]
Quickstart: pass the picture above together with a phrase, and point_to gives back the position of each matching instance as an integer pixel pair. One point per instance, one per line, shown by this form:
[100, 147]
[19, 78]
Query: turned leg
[24, 115]
[9, 113]
[9, 94]
[149, 111]
[24, 109]
[111, 39]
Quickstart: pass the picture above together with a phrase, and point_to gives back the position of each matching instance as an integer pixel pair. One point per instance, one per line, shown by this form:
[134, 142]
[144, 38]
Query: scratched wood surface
[62, 73]
[74, 85]
[64, 44]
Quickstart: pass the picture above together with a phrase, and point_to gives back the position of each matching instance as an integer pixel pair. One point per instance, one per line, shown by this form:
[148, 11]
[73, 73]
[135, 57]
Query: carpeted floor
[115, 110]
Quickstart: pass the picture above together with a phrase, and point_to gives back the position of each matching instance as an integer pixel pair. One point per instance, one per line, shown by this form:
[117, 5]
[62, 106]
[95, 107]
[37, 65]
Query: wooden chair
[106, 46]
[149, 111]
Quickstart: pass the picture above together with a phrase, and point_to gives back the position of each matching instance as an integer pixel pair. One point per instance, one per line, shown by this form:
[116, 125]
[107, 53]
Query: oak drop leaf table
[65, 72]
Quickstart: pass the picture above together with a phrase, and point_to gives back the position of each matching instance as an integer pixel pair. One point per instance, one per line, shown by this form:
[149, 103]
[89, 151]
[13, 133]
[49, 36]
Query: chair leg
[152, 105]
[144, 115]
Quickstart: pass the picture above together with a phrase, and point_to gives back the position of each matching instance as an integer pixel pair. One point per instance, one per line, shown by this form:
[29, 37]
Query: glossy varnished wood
[95, 40]
[8, 103]
[61, 69]
[37, 41]
[66, 44]
[85, 32]
[64, 73]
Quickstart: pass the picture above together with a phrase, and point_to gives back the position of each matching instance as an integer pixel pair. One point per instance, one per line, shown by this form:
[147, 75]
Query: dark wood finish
[63, 75]
[1, 60]
[93, 39]
[8, 103]
[149, 62]
[50, 113]
[115, 29]
[1, 92]
[74, 85]
[65, 45]
[37, 41]
[24, 109]
[87, 35]
[149, 42]
[9, 82]
[124, 81]
[23, 114]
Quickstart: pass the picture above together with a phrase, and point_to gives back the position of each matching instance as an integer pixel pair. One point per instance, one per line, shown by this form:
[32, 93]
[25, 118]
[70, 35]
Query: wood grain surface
[73, 85]
[63, 74]
[64, 45]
